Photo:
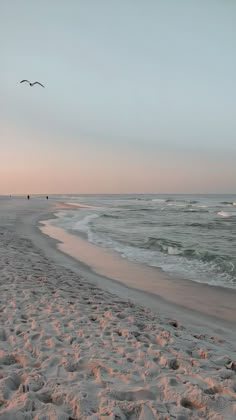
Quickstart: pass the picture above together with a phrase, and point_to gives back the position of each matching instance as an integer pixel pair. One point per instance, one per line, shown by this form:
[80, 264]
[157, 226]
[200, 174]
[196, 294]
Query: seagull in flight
[32, 84]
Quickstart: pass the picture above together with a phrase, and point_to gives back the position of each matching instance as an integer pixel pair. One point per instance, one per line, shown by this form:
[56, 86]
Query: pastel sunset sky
[140, 96]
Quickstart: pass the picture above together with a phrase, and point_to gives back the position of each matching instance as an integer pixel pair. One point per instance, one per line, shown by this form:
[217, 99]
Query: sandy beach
[75, 344]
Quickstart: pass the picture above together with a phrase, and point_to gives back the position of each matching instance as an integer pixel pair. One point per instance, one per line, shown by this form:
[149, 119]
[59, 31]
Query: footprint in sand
[141, 394]
[11, 382]
[8, 359]
[3, 335]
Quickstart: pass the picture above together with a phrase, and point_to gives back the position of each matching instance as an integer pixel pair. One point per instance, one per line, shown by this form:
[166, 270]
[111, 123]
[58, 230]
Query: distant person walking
[47, 197]
[28, 197]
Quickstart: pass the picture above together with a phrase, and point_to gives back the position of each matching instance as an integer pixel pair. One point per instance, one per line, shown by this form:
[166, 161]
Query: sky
[140, 96]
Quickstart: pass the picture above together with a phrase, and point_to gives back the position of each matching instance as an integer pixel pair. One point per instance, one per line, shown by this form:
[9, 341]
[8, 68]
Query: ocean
[187, 236]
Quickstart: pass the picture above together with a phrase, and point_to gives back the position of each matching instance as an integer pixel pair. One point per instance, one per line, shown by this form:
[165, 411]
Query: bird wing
[24, 81]
[37, 83]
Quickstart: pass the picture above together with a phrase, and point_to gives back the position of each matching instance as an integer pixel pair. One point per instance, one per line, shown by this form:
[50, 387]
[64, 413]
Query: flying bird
[32, 84]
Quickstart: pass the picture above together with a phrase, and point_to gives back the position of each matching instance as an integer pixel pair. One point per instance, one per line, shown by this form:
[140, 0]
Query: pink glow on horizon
[31, 167]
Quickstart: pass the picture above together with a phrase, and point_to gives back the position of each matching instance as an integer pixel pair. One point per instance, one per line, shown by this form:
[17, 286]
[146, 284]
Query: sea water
[188, 236]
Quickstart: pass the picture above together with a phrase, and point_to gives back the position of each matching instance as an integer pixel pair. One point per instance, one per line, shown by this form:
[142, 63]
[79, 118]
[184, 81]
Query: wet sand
[214, 301]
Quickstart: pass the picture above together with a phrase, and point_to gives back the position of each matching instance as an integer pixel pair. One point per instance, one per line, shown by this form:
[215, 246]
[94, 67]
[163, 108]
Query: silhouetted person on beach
[28, 197]
[47, 197]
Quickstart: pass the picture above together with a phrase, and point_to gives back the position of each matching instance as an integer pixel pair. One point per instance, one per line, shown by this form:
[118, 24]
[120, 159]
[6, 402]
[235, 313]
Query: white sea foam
[177, 205]
[173, 251]
[83, 224]
[224, 214]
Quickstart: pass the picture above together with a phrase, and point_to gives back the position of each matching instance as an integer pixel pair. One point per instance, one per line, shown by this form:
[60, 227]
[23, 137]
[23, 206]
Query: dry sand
[70, 350]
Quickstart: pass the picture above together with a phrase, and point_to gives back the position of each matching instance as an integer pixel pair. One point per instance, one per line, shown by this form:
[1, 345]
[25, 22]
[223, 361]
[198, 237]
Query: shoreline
[75, 345]
[201, 298]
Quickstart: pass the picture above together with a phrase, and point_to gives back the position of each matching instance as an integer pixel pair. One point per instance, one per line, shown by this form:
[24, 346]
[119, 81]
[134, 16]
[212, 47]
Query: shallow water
[192, 236]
